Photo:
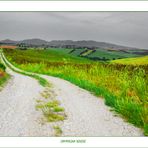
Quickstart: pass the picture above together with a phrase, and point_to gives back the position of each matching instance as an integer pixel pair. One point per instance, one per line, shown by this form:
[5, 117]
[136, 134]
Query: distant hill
[8, 42]
[37, 42]
[67, 44]
[92, 50]
[89, 44]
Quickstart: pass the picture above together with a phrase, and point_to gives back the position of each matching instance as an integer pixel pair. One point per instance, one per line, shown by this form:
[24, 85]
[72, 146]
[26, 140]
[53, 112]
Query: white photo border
[37, 142]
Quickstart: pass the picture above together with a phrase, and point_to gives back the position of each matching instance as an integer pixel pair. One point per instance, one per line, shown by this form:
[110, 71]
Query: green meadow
[123, 85]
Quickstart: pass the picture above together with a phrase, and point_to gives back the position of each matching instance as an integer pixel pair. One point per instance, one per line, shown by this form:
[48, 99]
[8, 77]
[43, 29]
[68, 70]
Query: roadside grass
[52, 110]
[124, 87]
[58, 130]
[3, 75]
[41, 80]
[146, 130]
[2, 67]
[3, 78]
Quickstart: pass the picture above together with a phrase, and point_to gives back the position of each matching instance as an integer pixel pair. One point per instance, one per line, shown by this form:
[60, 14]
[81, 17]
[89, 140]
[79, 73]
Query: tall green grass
[124, 87]
[3, 75]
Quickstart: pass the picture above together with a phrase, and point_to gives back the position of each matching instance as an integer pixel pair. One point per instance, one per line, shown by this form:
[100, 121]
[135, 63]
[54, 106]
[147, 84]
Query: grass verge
[4, 77]
[41, 80]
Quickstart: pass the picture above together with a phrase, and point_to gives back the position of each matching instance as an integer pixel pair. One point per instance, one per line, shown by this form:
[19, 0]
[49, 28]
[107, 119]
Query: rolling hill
[86, 48]
[68, 43]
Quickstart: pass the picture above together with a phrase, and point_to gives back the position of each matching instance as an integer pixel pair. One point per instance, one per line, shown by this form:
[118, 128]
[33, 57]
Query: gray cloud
[125, 28]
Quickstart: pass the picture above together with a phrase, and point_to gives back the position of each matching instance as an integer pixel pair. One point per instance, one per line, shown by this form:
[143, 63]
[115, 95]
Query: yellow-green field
[133, 61]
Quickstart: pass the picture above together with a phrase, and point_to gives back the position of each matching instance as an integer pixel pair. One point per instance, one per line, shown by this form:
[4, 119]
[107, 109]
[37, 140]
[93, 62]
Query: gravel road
[87, 115]
[18, 116]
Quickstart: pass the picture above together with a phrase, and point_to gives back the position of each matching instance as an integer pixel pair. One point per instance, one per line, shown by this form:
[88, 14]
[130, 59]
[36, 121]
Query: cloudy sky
[124, 28]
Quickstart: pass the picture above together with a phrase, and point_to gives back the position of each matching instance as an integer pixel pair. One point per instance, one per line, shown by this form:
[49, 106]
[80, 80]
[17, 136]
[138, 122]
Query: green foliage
[124, 87]
[146, 129]
[2, 67]
[132, 110]
[51, 110]
[41, 80]
[3, 75]
[58, 109]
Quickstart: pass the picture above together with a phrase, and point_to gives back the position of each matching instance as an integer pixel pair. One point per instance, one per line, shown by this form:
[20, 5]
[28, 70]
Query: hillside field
[133, 61]
[124, 87]
[98, 54]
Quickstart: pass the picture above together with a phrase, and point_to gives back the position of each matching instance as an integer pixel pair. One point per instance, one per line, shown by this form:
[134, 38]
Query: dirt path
[18, 116]
[87, 114]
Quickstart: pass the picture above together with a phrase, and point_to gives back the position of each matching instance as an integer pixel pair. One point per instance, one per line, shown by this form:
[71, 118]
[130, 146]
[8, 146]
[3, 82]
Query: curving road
[87, 115]
[18, 116]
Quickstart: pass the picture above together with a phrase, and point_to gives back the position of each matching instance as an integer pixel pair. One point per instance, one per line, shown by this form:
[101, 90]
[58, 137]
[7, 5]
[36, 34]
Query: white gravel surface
[87, 115]
[18, 116]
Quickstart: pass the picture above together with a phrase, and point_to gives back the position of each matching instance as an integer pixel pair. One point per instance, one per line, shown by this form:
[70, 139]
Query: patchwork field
[111, 54]
[101, 54]
[124, 87]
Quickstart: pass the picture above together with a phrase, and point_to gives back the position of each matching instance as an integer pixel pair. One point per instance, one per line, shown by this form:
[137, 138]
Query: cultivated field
[124, 86]
[8, 46]
[133, 61]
